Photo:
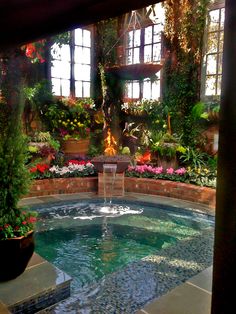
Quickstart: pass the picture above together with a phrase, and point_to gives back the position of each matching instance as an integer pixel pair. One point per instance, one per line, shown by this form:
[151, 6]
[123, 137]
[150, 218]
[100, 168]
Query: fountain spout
[109, 175]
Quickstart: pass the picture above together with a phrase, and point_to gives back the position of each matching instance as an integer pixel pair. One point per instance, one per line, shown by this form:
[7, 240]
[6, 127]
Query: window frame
[217, 5]
[142, 58]
[73, 62]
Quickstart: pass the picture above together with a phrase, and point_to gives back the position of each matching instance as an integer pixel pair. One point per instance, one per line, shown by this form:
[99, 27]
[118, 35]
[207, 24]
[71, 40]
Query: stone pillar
[224, 268]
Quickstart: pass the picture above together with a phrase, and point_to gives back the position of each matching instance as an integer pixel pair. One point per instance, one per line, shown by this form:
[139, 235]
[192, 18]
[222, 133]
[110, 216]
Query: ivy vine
[184, 30]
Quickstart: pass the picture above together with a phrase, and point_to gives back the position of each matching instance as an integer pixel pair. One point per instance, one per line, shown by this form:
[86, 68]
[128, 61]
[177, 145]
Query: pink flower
[24, 222]
[180, 171]
[170, 171]
[158, 170]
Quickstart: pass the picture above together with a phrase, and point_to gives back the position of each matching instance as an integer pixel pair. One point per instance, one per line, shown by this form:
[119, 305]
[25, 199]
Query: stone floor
[40, 286]
[156, 284]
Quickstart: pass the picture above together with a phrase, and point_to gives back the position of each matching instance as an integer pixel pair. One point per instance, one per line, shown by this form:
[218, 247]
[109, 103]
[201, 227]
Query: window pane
[212, 42]
[56, 52]
[156, 89]
[78, 89]
[219, 85]
[136, 55]
[129, 56]
[137, 38]
[65, 53]
[82, 72]
[211, 64]
[210, 87]
[82, 55]
[65, 84]
[221, 43]
[128, 88]
[136, 90]
[86, 38]
[56, 87]
[157, 33]
[130, 39]
[60, 69]
[86, 91]
[78, 37]
[148, 53]
[147, 89]
[78, 54]
[86, 56]
[222, 18]
[214, 17]
[220, 63]
[148, 35]
[157, 52]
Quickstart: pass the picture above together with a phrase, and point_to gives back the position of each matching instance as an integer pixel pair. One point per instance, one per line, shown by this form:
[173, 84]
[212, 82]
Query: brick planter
[63, 186]
[188, 192]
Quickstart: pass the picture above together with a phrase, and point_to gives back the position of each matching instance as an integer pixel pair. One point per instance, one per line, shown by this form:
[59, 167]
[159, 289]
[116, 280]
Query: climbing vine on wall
[184, 30]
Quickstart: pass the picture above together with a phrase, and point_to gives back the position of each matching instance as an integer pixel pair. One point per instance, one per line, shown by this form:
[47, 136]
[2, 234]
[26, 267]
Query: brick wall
[178, 190]
[63, 186]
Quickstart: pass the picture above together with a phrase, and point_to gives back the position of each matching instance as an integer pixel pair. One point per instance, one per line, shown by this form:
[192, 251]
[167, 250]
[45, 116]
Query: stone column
[224, 269]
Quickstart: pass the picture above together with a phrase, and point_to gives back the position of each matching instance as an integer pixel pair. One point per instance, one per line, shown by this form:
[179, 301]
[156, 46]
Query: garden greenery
[184, 29]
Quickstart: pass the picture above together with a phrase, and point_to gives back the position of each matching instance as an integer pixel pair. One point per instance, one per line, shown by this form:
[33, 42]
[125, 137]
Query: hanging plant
[35, 51]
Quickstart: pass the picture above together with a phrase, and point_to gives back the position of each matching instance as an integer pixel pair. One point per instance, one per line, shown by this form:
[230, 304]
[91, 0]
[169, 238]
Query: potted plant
[70, 119]
[16, 225]
[164, 148]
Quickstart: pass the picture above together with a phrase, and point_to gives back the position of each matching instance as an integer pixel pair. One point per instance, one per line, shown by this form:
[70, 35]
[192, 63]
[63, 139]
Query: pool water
[88, 242]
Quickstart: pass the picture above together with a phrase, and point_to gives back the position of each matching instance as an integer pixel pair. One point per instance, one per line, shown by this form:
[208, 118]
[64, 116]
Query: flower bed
[80, 176]
[73, 168]
[198, 176]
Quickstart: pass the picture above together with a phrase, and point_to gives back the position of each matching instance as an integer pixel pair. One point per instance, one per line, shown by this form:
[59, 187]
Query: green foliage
[164, 144]
[15, 178]
[69, 117]
[107, 41]
[184, 31]
[193, 157]
[46, 137]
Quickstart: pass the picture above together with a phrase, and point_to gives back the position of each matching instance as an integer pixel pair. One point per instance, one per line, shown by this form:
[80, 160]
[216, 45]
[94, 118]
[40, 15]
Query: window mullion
[72, 63]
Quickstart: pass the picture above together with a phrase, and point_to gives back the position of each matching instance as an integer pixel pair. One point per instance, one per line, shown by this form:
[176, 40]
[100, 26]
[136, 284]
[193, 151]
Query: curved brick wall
[178, 190]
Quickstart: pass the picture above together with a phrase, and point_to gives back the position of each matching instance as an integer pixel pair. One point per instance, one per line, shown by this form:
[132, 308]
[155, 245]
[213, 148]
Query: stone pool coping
[191, 297]
[178, 190]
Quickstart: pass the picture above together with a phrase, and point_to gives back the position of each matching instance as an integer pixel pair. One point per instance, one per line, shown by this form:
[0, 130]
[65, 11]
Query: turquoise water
[88, 243]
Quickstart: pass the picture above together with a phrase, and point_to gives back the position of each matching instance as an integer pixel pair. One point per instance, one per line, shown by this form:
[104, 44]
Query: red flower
[30, 50]
[42, 168]
[17, 228]
[32, 219]
[6, 225]
[24, 222]
[34, 169]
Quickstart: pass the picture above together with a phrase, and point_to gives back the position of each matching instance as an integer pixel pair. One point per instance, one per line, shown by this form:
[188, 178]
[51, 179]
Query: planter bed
[189, 192]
